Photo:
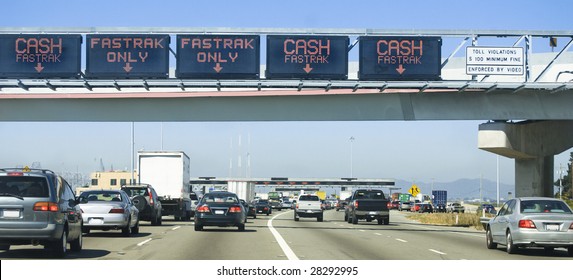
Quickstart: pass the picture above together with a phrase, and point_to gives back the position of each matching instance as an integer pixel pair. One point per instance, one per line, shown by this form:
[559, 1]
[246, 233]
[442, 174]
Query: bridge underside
[287, 105]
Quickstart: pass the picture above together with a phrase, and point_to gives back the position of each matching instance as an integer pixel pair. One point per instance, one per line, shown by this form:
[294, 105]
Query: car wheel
[569, 251]
[349, 220]
[135, 229]
[77, 244]
[345, 217]
[296, 219]
[241, 227]
[354, 220]
[489, 240]
[198, 227]
[60, 247]
[255, 216]
[511, 249]
[85, 230]
[319, 218]
[387, 221]
[126, 231]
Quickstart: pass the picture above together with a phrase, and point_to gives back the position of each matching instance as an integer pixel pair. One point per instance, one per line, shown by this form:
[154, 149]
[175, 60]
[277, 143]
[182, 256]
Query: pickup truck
[367, 205]
[308, 206]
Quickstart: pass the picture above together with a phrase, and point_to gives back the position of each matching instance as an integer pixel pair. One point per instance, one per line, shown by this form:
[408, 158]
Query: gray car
[109, 210]
[39, 207]
[532, 222]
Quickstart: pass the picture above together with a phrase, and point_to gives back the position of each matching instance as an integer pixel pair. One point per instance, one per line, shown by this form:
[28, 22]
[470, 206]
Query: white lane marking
[378, 233]
[284, 246]
[437, 252]
[477, 235]
[401, 240]
[361, 230]
[143, 242]
[177, 227]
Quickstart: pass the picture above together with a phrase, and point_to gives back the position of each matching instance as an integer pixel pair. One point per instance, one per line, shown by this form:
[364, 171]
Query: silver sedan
[109, 210]
[532, 222]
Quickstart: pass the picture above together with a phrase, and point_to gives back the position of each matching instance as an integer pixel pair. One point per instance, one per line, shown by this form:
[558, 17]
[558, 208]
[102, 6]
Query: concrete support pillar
[532, 176]
[532, 144]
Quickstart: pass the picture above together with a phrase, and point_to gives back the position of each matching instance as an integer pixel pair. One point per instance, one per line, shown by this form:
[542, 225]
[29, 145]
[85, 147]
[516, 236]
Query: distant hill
[463, 189]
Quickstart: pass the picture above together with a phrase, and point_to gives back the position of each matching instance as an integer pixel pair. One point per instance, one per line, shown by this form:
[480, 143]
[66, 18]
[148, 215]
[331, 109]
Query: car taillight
[526, 224]
[235, 209]
[203, 209]
[15, 173]
[150, 198]
[266, 209]
[116, 211]
[355, 204]
[571, 227]
[45, 206]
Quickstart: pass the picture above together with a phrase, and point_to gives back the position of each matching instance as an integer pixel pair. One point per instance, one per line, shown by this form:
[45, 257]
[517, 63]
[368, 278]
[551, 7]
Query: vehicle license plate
[308, 211]
[11, 213]
[96, 221]
[219, 212]
[552, 227]
[372, 213]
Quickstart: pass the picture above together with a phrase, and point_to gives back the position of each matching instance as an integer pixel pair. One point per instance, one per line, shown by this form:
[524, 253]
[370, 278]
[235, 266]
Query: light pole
[560, 172]
[351, 141]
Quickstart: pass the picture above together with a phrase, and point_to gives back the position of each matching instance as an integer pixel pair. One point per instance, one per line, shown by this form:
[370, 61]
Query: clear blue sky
[414, 151]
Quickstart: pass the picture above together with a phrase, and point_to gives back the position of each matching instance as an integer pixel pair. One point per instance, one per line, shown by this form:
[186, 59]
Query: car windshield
[263, 202]
[544, 206]
[220, 198]
[24, 186]
[101, 196]
[308, 198]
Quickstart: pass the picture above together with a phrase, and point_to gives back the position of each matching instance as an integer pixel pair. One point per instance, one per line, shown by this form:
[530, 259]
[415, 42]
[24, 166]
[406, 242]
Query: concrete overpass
[531, 116]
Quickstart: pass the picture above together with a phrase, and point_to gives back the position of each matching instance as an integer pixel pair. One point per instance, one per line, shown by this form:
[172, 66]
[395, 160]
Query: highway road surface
[279, 237]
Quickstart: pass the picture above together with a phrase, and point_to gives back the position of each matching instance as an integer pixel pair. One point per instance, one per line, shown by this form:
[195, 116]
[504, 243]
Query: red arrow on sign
[39, 67]
[218, 67]
[127, 67]
[401, 69]
[307, 69]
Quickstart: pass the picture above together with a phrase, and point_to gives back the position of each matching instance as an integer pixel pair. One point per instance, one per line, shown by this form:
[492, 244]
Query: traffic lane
[99, 244]
[461, 242]
[334, 239]
[216, 243]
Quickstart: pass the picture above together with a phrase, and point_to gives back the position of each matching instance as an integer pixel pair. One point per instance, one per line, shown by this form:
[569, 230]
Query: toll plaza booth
[291, 187]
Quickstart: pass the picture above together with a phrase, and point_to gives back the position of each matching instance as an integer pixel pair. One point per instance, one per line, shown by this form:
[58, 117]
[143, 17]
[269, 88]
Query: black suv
[39, 207]
[147, 202]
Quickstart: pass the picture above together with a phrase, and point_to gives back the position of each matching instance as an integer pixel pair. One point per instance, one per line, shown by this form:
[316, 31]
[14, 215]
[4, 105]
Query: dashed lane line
[437, 252]
[143, 242]
[175, 228]
[402, 240]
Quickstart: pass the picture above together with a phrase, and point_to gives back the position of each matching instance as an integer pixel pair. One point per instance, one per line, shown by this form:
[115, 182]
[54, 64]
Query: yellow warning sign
[414, 190]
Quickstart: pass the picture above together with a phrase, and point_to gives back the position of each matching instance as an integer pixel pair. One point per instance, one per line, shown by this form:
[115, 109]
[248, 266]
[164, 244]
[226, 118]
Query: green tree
[566, 183]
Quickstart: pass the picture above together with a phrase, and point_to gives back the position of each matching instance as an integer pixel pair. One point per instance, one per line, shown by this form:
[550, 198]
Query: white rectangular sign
[494, 61]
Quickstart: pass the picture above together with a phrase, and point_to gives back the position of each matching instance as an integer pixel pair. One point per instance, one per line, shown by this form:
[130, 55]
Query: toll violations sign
[40, 56]
[307, 57]
[218, 56]
[400, 58]
[127, 56]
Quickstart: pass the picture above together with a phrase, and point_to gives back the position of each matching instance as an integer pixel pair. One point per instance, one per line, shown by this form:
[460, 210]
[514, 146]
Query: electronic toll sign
[307, 57]
[40, 56]
[400, 58]
[127, 56]
[218, 57]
